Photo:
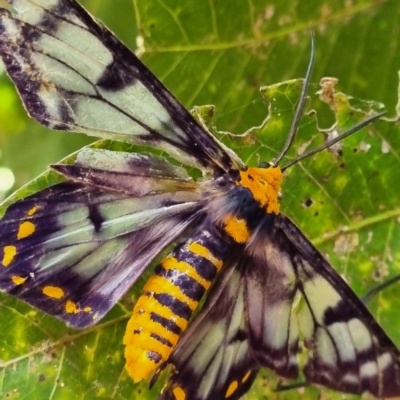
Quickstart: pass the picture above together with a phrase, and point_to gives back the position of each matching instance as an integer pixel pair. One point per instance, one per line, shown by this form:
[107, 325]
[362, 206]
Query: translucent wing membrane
[73, 250]
[282, 294]
[75, 75]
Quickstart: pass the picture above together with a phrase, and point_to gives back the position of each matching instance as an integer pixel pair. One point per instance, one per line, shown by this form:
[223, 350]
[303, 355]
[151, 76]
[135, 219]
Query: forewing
[346, 349]
[212, 360]
[75, 75]
[73, 250]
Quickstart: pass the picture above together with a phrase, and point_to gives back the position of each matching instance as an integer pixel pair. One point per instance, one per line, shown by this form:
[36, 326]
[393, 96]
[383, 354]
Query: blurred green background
[220, 52]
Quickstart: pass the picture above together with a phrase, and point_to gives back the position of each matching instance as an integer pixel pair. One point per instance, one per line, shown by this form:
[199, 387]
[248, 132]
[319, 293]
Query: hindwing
[281, 297]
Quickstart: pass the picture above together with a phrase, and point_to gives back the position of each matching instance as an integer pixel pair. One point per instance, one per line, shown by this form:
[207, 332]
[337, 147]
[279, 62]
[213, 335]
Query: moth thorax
[264, 184]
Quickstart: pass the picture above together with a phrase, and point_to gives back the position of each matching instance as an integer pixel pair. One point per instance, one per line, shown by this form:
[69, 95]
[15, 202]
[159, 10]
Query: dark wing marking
[292, 294]
[75, 75]
[213, 360]
[73, 250]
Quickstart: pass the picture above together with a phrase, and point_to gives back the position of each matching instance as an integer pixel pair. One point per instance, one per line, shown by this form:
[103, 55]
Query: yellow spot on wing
[18, 280]
[53, 291]
[231, 389]
[237, 229]
[202, 251]
[264, 184]
[32, 210]
[9, 254]
[179, 393]
[71, 308]
[172, 263]
[25, 229]
[247, 376]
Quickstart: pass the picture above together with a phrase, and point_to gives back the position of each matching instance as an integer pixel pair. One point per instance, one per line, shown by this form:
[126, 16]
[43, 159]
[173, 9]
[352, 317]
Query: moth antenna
[290, 386]
[375, 290]
[352, 130]
[300, 106]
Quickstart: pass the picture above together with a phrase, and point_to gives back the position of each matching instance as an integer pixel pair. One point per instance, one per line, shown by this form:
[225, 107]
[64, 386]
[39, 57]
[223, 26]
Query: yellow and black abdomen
[169, 298]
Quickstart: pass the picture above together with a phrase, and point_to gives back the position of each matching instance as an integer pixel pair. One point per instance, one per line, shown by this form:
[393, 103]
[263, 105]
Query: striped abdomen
[170, 296]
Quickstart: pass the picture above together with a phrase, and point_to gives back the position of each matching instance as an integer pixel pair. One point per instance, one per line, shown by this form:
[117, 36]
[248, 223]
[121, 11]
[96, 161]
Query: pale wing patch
[33, 12]
[319, 294]
[360, 336]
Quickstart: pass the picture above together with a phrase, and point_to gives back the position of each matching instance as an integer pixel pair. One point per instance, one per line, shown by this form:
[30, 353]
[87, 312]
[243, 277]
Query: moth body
[234, 210]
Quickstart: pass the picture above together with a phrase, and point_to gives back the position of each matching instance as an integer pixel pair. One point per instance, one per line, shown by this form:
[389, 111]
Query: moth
[73, 249]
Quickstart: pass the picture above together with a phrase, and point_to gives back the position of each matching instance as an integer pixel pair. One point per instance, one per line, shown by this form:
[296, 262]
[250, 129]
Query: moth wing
[73, 249]
[73, 74]
[294, 294]
[213, 359]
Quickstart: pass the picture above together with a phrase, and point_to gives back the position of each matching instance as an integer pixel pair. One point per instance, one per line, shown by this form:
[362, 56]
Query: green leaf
[221, 52]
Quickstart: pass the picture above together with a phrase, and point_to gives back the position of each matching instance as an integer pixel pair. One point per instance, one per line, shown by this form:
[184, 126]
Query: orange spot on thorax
[264, 184]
